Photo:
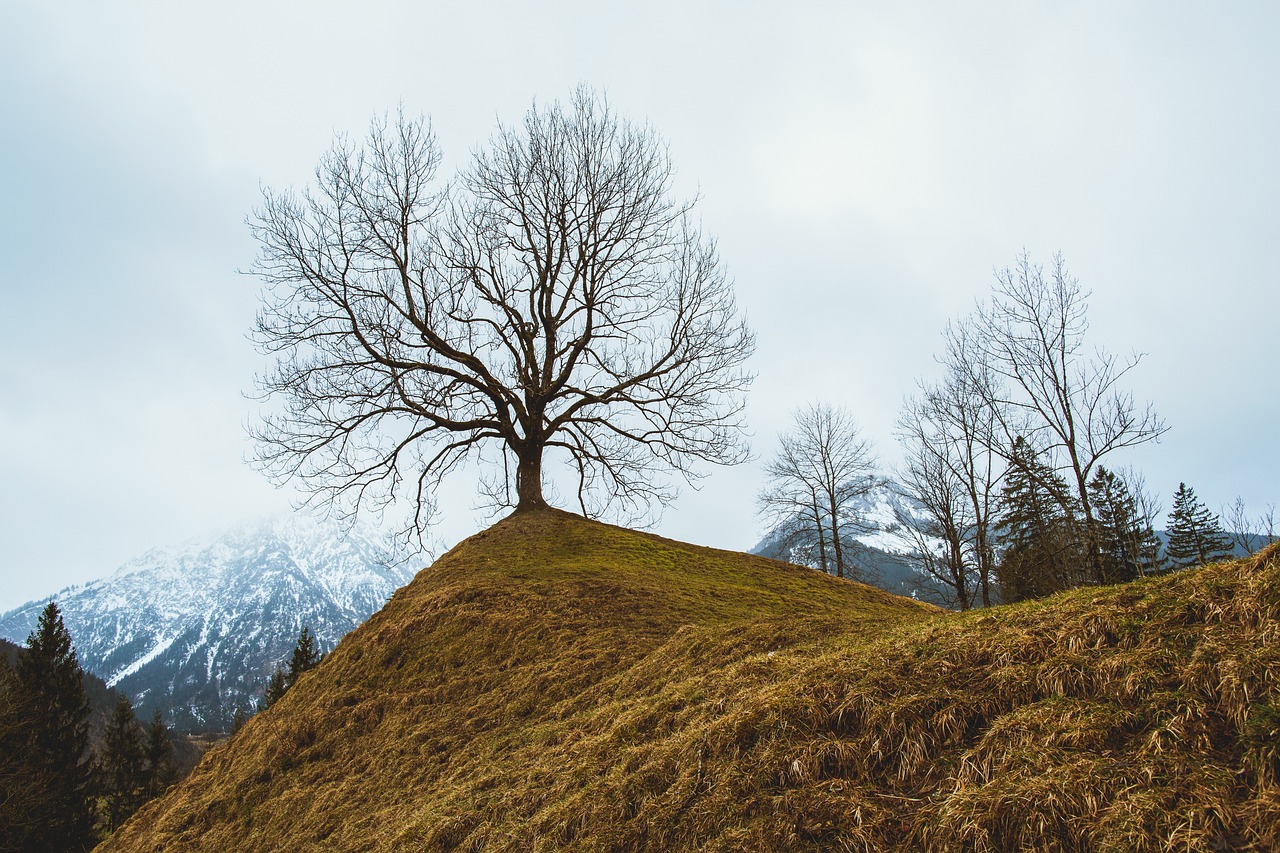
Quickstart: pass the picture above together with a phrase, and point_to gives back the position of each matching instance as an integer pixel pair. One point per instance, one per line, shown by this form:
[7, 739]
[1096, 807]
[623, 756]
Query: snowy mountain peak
[196, 629]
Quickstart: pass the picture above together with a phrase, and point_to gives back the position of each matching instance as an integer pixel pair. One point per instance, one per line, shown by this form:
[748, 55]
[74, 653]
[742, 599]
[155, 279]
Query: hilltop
[557, 683]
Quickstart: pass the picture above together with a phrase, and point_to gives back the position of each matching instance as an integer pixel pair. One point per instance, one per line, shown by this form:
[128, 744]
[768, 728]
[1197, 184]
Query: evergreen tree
[161, 772]
[276, 687]
[1127, 543]
[122, 765]
[23, 781]
[305, 656]
[49, 676]
[1036, 530]
[239, 719]
[1195, 535]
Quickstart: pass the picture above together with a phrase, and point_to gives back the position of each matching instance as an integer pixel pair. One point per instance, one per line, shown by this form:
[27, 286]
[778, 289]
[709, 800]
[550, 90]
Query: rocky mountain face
[197, 630]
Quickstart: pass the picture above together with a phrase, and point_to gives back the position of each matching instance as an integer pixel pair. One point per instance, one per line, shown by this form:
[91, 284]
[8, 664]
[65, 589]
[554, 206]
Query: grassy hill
[555, 683]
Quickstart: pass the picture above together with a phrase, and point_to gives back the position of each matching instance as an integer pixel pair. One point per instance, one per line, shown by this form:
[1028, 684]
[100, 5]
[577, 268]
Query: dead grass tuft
[558, 684]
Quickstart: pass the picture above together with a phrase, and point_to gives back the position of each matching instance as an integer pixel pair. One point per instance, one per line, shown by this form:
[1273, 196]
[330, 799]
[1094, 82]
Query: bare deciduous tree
[555, 299]
[952, 471]
[1147, 508]
[822, 466]
[1068, 399]
[930, 482]
[1249, 534]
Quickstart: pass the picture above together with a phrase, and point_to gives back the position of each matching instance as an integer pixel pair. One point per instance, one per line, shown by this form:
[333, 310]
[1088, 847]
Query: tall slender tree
[49, 676]
[1196, 536]
[123, 765]
[24, 780]
[305, 656]
[1067, 396]
[952, 471]
[935, 489]
[1126, 539]
[161, 771]
[823, 465]
[276, 686]
[1040, 551]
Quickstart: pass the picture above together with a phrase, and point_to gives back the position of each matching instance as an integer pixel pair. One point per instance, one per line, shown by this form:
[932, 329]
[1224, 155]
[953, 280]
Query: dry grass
[557, 684]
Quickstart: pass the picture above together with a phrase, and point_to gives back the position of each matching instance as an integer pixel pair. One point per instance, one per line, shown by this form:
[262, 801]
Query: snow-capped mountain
[878, 519]
[878, 546]
[196, 630]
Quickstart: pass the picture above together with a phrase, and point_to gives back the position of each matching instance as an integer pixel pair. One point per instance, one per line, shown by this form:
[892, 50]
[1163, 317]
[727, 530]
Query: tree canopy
[48, 677]
[304, 657]
[823, 465]
[555, 297]
[1196, 536]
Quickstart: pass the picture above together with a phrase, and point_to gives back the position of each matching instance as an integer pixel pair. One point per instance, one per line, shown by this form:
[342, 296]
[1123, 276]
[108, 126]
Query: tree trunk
[986, 568]
[835, 534]
[822, 541]
[958, 573]
[529, 479]
[1090, 538]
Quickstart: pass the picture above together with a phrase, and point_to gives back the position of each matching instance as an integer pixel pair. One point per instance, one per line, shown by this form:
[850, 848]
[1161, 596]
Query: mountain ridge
[196, 629]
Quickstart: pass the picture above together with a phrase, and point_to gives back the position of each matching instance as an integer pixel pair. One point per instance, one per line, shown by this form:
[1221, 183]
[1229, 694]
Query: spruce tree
[122, 765]
[23, 780]
[1127, 543]
[1196, 536]
[305, 656]
[49, 676]
[276, 687]
[1036, 530]
[161, 772]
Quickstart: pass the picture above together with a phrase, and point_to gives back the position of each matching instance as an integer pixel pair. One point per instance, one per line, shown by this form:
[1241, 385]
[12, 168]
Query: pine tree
[1196, 536]
[23, 780]
[122, 765]
[1036, 529]
[49, 676]
[305, 656]
[161, 772]
[276, 686]
[1128, 544]
[239, 718]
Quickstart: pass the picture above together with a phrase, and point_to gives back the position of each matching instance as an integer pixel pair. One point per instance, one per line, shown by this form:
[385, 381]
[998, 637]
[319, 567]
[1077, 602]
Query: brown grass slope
[555, 683]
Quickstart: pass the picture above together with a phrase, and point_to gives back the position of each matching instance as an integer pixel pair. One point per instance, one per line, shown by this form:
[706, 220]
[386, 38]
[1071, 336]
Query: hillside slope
[555, 683]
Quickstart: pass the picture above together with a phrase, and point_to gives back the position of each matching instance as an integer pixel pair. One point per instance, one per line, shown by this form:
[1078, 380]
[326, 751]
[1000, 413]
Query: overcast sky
[864, 170]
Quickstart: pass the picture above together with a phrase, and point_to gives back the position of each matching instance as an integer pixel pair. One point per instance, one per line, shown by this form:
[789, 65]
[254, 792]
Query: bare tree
[939, 539]
[1239, 526]
[1249, 534]
[953, 472]
[822, 466]
[1142, 539]
[555, 299]
[1065, 398]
